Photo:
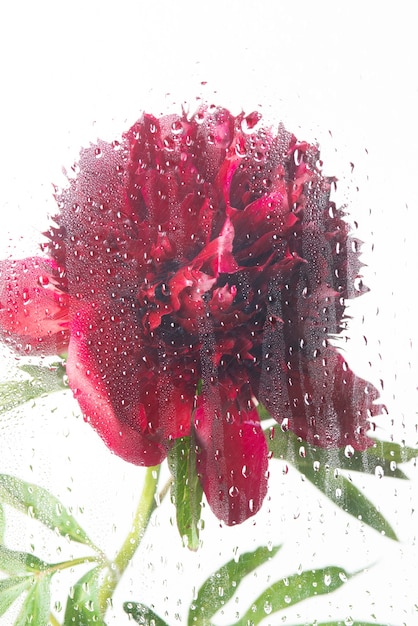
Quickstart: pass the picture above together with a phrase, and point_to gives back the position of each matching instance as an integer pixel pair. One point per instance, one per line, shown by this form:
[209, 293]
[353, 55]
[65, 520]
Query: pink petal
[33, 309]
[121, 388]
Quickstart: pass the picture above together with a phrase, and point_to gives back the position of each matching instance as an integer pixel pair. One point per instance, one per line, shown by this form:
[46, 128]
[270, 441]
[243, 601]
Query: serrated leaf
[41, 505]
[14, 562]
[83, 605]
[228, 578]
[186, 490]
[36, 607]
[44, 380]
[11, 589]
[142, 614]
[292, 590]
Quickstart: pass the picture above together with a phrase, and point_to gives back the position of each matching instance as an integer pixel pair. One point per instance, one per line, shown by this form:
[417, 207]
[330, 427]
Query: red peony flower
[198, 253]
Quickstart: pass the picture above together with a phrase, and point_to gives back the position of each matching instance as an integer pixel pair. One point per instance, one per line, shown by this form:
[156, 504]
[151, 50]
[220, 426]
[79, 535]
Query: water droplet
[285, 424]
[177, 127]
[233, 491]
[379, 473]
[240, 149]
[267, 608]
[297, 157]
[358, 283]
[349, 451]
[43, 280]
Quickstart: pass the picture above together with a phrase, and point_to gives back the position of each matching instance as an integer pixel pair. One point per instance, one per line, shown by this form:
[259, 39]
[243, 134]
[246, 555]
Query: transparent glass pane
[208, 341]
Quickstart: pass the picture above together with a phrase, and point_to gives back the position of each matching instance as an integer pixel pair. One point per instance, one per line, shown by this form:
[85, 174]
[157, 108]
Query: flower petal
[134, 406]
[232, 459]
[321, 400]
[33, 308]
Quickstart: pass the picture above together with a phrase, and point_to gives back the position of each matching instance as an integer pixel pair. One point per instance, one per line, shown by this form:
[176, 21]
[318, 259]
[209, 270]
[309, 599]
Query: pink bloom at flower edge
[34, 310]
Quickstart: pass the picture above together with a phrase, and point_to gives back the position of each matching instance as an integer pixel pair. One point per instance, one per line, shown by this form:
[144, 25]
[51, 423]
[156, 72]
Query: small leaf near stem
[83, 604]
[186, 490]
[38, 503]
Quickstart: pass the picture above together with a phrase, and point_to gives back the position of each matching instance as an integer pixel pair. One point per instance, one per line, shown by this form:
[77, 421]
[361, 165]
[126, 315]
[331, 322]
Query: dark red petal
[321, 400]
[33, 308]
[232, 460]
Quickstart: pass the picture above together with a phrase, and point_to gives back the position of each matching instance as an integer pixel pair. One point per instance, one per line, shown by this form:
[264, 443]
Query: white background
[339, 73]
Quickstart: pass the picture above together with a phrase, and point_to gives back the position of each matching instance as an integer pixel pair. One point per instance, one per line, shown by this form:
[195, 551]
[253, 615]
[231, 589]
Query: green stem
[66, 564]
[146, 507]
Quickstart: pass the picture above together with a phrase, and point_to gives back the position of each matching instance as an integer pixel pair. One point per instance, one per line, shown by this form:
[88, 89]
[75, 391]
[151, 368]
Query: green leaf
[350, 499]
[219, 588]
[292, 590]
[10, 590]
[143, 614]
[41, 505]
[186, 490]
[393, 453]
[322, 469]
[382, 457]
[344, 623]
[44, 380]
[13, 562]
[2, 523]
[83, 605]
[36, 607]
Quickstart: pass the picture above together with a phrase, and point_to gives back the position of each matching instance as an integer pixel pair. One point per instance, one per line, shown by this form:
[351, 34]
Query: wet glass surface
[76, 77]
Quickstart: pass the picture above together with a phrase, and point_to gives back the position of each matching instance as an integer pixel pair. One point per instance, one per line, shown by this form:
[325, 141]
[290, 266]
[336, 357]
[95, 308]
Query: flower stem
[146, 506]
